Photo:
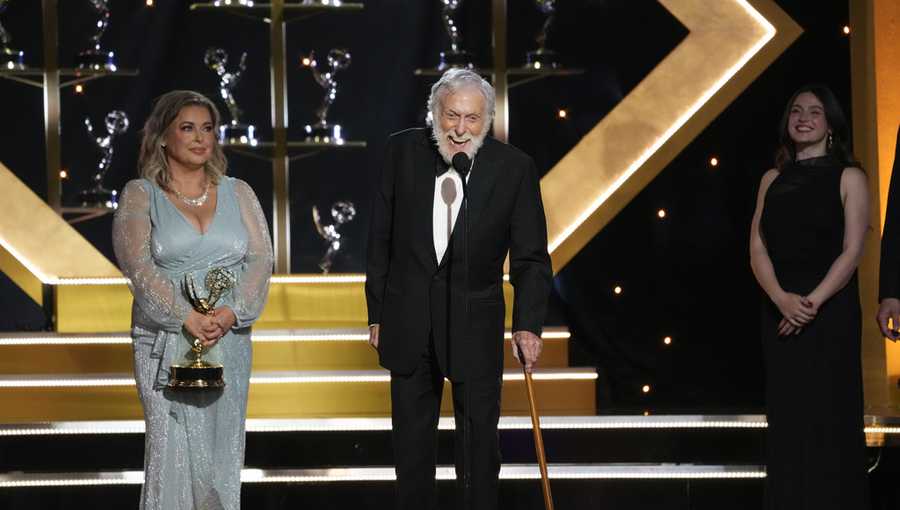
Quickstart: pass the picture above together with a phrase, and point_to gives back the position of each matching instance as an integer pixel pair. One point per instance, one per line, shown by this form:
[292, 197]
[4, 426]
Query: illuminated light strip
[88, 281]
[346, 278]
[376, 424]
[287, 377]
[71, 381]
[71, 479]
[352, 376]
[387, 474]
[678, 124]
[62, 428]
[283, 279]
[882, 430]
[322, 335]
[43, 339]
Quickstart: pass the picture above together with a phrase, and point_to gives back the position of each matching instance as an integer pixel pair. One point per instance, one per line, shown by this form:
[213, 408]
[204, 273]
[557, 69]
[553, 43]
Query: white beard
[443, 144]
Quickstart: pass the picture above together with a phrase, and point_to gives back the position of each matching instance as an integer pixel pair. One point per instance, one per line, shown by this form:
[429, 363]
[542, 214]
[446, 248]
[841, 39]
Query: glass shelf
[292, 12]
[74, 215]
[75, 75]
[296, 150]
[517, 75]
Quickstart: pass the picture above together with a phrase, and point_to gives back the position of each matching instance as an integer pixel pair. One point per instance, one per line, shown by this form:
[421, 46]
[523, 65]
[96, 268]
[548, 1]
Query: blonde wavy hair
[152, 162]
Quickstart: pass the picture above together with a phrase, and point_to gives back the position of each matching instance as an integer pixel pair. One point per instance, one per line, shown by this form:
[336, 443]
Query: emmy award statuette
[234, 132]
[455, 56]
[10, 59]
[95, 57]
[543, 58]
[322, 131]
[341, 214]
[97, 195]
[199, 374]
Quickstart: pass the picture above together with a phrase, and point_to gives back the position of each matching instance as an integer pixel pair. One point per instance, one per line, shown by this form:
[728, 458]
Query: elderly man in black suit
[450, 204]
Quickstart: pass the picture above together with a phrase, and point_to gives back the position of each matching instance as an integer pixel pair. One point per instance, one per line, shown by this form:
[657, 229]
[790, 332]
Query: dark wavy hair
[840, 147]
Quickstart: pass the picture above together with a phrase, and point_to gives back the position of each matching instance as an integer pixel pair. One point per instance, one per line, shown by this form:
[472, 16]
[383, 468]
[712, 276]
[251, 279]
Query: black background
[686, 276]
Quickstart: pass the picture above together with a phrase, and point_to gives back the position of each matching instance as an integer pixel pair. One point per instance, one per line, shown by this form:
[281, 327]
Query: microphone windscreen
[461, 163]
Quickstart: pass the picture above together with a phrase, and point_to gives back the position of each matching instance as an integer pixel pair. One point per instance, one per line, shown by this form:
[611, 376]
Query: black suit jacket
[406, 286]
[889, 284]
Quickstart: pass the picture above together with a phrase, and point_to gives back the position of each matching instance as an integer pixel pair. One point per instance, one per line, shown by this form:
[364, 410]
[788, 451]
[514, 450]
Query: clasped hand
[797, 310]
[210, 328]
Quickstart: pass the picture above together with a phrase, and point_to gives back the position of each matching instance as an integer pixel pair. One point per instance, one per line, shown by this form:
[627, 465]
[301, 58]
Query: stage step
[103, 305]
[587, 486]
[311, 443]
[696, 462]
[273, 350]
[284, 394]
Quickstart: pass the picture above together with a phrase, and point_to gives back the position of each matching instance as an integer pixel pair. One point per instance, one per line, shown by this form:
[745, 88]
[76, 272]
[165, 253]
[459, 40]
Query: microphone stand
[468, 434]
[467, 439]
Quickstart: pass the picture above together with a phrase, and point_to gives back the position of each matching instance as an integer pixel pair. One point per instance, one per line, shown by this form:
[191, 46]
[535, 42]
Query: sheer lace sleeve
[253, 289]
[157, 297]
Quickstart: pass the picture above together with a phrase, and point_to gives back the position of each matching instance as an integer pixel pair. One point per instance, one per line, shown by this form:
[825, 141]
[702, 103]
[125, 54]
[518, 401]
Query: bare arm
[759, 254]
[855, 196]
[795, 309]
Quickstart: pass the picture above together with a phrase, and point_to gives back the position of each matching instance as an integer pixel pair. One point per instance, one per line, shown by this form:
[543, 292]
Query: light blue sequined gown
[194, 443]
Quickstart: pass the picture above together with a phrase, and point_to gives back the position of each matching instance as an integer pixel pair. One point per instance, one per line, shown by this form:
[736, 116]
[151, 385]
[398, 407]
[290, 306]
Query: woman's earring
[830, 141]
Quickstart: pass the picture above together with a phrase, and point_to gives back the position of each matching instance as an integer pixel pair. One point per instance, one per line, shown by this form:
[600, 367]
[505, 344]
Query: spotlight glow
[713, 161]
[661, 213]
[79, 89]
[646, 388]
[667, 340]
[563, 114]
[617, 290]
[846, 30]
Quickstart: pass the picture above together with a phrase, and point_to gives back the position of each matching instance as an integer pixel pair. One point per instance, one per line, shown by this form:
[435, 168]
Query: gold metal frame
[730, 43]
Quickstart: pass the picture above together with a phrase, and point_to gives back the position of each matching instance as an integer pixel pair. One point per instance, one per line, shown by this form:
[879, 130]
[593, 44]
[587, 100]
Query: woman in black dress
[805, 244]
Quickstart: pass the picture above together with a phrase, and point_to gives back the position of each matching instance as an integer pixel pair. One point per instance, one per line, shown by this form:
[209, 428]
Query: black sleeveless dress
[814, 398]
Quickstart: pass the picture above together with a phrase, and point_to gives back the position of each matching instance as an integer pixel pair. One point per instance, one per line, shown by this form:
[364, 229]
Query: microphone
[462, 164]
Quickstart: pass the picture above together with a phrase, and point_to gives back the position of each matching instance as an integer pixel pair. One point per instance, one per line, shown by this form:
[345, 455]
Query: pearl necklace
[194, 202]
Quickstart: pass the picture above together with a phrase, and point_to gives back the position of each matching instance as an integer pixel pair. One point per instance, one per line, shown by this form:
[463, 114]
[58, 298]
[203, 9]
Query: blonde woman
[184, 216]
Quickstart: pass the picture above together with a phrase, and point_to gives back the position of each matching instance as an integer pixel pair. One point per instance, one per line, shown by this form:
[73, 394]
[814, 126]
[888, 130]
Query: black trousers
[415, 409]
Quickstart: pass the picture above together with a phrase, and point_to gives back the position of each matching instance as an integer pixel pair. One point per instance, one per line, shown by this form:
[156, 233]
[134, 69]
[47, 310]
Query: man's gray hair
[454, 80]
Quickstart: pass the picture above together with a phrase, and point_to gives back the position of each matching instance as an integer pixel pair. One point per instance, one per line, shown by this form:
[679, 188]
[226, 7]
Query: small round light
[149, 3]
[646, 413]
[306, 61]
[646, 388]
[713, 161]
[661, 213]
[563, 114]
[617, 290]
[63, 174]
[79, 89]
[667, 340]
[537, 65]
[846, 30]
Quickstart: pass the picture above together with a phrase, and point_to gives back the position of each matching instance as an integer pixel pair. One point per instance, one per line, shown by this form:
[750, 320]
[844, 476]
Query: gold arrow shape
[37, 246]
[729, 44]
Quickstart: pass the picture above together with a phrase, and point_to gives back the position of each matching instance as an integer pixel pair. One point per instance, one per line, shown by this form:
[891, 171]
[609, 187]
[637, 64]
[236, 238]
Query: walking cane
[538, 442]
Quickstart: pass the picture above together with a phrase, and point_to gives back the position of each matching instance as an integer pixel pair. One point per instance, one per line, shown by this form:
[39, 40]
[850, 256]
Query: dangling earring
[830, 142]
[164, 146]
